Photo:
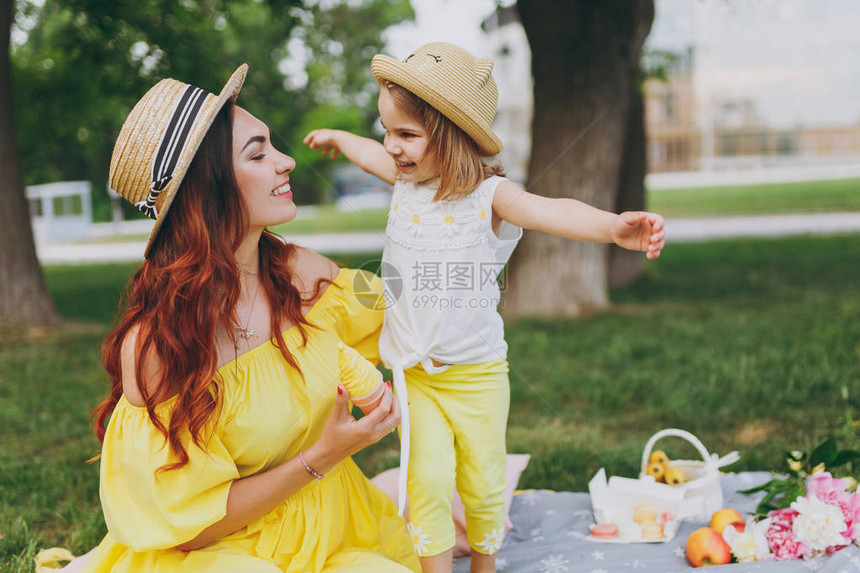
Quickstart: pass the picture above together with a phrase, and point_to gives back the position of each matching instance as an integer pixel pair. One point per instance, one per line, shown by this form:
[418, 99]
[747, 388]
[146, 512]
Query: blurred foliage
[658, 64]
[85, 63]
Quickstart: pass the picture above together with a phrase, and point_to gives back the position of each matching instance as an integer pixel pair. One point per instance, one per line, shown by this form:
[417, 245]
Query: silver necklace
[245, 332]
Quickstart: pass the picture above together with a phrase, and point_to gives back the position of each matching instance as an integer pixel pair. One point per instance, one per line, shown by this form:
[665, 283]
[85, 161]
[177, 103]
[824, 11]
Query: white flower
[420, 541]
[477, 216]
[553, 564]
[415, 225]
[751, 545]
[743, 544]
[760, 533]
[818, 524]
[449, 225]
[492, 541]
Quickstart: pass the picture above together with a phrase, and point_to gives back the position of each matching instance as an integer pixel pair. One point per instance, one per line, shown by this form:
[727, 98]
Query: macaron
[604, 530]
[644, 512]
[652, 530]
[629, 531]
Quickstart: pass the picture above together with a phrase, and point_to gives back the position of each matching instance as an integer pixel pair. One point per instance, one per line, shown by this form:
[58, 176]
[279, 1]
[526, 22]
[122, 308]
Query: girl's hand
[640, 231]
[325, 139]
[343, 435]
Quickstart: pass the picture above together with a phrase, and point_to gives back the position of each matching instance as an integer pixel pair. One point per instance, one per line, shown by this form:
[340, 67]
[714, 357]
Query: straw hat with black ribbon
[159, 139]
[454, 82]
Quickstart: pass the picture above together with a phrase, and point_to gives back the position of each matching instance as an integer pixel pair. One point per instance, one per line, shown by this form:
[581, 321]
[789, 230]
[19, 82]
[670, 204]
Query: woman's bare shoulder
[309, 267]
[150, 367]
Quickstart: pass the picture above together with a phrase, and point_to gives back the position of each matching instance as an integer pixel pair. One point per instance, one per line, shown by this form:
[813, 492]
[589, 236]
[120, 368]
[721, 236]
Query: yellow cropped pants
[458, 421]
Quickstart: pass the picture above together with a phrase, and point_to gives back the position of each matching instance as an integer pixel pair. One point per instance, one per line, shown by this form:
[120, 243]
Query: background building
[746, 85]
[506, 43]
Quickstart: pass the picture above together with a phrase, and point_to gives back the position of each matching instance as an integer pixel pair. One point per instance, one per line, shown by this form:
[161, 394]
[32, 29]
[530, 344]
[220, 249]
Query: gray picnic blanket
[551, 535]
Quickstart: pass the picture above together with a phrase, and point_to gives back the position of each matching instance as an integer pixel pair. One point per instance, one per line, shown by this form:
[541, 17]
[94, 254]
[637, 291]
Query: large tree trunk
[583, 52]
[24, 300]
[625, 266]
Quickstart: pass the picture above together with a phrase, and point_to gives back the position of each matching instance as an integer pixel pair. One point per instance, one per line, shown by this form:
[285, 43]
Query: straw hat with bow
[159, 139]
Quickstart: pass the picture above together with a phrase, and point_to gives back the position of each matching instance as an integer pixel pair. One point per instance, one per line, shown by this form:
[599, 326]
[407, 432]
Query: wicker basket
[703, 494]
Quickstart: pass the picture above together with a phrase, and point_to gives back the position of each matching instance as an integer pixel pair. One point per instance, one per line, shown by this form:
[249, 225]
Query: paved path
[752, 176]
[81, 253]
[677, 230]
[711, 228]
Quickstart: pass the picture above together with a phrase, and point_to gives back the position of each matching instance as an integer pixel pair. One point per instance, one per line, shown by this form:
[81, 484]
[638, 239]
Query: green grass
[772, 198]
[805, 196]
[808, 196]
[749, 344]
[329, 220]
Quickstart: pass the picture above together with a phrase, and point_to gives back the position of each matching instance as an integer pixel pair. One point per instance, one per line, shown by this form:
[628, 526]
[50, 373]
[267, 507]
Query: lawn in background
[776, 198]
[751, 345]
[771, 198]
[329, 219]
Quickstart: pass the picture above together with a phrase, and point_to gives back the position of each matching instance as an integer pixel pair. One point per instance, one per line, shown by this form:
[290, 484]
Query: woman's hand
[254, 496]
[343, 435]
[640, 231]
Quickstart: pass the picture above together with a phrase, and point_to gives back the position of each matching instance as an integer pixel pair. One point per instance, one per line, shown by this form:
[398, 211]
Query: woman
[226, 437]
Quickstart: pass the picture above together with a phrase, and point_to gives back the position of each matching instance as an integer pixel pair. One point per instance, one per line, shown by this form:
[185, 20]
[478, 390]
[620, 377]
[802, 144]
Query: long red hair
[188, 288]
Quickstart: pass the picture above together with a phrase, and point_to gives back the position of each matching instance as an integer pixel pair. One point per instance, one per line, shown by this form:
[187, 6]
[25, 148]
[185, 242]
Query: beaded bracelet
[310, 470]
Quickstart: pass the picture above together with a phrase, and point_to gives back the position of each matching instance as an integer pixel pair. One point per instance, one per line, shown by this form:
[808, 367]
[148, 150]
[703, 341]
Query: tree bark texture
[24, 299]
[583, 54]
[626, 266]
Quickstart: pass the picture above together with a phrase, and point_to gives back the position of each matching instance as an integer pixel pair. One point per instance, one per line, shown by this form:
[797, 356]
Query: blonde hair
[461, 168]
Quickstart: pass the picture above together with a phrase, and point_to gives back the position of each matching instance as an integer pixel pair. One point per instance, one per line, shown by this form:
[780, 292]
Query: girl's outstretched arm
[367, 153]
[565, 217]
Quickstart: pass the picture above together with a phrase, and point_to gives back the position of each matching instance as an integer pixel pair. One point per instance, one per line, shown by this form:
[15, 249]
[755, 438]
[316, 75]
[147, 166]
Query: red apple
[707, 547]
[725, 517]
[739, 526]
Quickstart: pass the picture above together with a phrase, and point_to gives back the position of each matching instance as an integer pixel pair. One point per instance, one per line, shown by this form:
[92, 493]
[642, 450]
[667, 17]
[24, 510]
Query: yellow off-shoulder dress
[269, 414]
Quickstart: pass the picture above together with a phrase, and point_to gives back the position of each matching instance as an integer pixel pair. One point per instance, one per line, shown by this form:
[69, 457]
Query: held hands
[343, 435]
[640, 231]
[325, 139]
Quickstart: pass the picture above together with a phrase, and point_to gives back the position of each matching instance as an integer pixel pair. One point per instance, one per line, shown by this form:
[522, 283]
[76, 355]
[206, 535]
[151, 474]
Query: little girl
[452, 226]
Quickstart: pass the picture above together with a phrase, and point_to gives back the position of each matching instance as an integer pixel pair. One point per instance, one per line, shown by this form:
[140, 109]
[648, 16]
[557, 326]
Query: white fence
[60, 211]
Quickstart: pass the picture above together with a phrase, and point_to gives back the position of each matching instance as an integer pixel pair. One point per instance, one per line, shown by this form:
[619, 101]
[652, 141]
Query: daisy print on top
[416, 221]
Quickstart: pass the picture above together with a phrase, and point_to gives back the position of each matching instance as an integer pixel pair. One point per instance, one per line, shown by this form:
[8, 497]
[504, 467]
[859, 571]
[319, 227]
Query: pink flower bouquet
[821, 522]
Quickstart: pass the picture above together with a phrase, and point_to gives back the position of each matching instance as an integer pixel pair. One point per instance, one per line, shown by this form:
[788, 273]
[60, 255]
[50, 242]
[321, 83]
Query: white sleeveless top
[447, 261]
[440, 272]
